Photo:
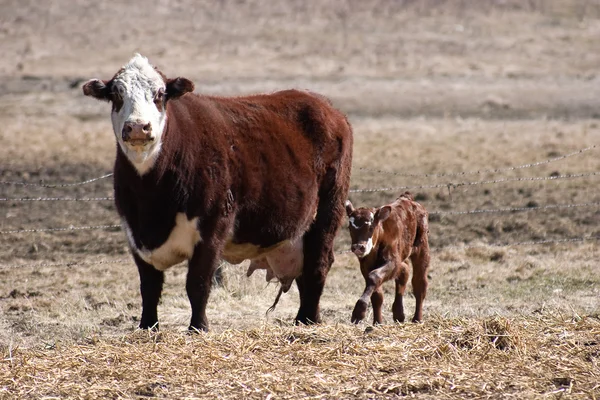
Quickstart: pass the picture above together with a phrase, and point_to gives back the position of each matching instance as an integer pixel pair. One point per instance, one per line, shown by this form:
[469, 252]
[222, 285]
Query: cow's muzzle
[136, 133]
[359, 249]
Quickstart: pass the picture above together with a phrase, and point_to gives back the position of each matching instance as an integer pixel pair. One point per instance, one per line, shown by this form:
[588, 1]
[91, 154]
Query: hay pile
[453, 358]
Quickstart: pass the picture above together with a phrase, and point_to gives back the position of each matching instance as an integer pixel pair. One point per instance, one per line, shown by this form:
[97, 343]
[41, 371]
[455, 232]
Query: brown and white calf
[384, 239]
[204, 178]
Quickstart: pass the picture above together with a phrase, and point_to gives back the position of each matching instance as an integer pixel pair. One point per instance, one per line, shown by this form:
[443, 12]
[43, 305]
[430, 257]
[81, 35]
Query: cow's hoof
[305, 321]
[360, 311]
[149, 326]
[194, 330]
[399, 318]
[302, 319]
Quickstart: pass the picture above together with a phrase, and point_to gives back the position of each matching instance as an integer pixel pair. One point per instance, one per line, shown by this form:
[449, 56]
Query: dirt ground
[446, 98]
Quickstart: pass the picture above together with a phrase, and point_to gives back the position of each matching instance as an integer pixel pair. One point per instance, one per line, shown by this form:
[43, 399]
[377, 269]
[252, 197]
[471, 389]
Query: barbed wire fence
[448, 185]
[481, 171]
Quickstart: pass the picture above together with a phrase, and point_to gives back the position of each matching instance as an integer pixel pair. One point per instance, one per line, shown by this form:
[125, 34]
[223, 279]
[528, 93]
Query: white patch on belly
[178, 247]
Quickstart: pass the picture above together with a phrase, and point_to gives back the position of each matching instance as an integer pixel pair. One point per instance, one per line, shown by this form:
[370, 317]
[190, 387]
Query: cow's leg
[401, 280]
[377, 302]
[310, 285]
[151, 283]
[420, 261]
[373, 281]
[201, 269]
[318, 248]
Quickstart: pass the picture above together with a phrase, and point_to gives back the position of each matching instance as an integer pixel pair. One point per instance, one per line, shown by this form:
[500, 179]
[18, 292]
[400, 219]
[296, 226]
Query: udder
[284, 263]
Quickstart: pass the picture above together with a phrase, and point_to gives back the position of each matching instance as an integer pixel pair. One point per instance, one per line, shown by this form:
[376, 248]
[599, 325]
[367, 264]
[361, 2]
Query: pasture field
[475, 107]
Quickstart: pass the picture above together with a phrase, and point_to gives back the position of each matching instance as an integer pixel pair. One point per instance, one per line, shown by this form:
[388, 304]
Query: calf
[202, 178]
[384, 239]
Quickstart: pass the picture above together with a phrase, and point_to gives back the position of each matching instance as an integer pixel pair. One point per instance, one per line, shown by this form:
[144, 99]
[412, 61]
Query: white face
[361, 232]
[140, 89]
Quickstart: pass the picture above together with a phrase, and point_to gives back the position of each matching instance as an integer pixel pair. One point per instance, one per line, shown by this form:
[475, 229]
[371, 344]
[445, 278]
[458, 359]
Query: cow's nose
[136, 131]
[358, 247]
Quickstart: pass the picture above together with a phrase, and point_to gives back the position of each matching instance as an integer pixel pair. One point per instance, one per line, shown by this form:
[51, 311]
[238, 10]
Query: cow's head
[363, 223]
[139, 94]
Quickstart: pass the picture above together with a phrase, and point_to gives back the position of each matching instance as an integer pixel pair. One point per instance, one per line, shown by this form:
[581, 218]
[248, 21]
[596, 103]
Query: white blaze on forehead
[351, 220]
[138, 74]
[137, 84]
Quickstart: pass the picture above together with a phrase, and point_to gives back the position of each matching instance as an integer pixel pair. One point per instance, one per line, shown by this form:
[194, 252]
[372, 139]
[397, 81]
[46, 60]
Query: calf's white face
[362, 223]
[139, 95]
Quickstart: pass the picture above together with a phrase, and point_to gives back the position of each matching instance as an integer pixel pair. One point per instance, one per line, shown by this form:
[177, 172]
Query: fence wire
[525, 243]
[66, 264]
[395, 173]
[514, 209]
[56, 185]
[21, 199]
[435, 212]
[451, 185]
[482, 171]
[69, 228]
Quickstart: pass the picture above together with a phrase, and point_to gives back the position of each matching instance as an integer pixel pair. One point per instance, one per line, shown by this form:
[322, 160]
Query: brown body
[233, 178]
[398, 233]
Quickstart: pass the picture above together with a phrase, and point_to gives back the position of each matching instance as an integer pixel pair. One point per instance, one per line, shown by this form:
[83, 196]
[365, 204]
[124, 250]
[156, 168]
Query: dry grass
[432, 86]
[456, 358]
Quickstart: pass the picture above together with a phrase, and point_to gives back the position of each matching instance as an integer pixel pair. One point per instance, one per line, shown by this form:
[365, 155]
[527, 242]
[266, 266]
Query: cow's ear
[178, 87]
[349, 207]
[383, 213]
[97, 88]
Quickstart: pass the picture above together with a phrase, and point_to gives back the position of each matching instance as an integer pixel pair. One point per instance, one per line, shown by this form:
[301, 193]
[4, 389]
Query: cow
[201, 178]
[384, 239]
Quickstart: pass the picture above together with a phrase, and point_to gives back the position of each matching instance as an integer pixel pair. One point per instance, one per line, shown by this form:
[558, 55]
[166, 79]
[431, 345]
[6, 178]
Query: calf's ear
[97, 88]
[177, 87]
[349, 207]
[383, 213]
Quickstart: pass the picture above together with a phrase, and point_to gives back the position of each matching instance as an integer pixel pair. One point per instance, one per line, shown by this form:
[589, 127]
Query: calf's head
[363, 224]
[139, 94]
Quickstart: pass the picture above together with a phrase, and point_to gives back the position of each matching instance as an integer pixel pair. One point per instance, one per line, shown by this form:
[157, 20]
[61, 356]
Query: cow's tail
[272, 308]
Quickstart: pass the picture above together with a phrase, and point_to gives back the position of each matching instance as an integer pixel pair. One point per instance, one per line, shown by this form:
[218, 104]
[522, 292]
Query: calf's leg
[401, 280]
[420, 261]
[377, 302]
[151, 283]
[373, 283]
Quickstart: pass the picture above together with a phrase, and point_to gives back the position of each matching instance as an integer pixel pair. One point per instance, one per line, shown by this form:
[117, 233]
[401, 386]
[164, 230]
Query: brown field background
[430, 87]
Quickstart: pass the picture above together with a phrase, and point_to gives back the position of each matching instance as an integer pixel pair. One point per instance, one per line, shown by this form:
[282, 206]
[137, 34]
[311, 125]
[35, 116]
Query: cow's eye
[159, 99]
[117, 99]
